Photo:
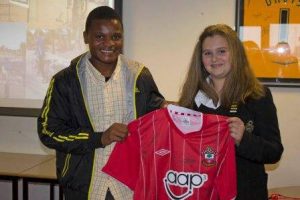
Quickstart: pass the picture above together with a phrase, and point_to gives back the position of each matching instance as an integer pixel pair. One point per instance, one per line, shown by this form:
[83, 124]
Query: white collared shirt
[107, 105]
[202, 99]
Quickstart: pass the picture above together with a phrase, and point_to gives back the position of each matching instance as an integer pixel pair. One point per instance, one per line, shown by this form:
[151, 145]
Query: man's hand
[115, 133]
[165, 103]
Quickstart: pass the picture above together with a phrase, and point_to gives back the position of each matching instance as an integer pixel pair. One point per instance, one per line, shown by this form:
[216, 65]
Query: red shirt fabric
[176, 153]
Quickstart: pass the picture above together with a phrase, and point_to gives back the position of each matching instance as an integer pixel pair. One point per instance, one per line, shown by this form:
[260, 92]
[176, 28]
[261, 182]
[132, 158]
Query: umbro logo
[162, 152]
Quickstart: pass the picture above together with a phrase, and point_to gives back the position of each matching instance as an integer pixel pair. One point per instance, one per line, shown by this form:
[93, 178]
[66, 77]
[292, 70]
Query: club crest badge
[209, 157]
[249, 127]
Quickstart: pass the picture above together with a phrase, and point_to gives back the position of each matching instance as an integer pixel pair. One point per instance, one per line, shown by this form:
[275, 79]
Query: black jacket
[261, 144]
[65, 126]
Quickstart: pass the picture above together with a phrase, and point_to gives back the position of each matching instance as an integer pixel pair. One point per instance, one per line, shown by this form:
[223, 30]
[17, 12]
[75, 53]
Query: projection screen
[37, 39]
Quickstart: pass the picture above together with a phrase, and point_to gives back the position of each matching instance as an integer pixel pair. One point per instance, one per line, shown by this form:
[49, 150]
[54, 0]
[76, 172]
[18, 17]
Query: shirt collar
[95, 75]
[202, 98]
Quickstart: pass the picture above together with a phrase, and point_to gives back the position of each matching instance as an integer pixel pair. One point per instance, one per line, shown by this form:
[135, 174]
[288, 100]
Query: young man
[88, 105]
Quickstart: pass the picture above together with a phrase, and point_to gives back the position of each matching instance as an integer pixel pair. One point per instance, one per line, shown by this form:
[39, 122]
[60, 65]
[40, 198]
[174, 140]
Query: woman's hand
[236, 128]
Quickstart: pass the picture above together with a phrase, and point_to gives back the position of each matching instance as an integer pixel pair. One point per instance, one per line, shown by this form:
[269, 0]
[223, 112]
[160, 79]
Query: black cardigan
[261, 144]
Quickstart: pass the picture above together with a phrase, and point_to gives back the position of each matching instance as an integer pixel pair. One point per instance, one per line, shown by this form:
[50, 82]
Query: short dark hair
[102, 12]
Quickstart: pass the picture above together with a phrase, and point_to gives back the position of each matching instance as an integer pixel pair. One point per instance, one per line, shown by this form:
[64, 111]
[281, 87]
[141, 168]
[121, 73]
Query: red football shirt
[176, 153]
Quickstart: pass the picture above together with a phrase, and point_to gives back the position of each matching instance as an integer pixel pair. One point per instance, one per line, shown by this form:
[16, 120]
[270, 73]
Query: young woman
[220, 81]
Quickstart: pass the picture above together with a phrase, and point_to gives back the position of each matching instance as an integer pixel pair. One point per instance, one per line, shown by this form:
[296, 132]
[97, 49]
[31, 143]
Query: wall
[286, 172]
[162, 35]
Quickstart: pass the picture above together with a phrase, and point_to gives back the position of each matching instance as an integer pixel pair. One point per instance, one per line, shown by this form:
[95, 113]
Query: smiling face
[216, 57]
[105, 40]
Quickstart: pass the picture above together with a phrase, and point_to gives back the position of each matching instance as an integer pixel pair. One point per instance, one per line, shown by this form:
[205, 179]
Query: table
[289, 191]
[42, 173]
[12, 164]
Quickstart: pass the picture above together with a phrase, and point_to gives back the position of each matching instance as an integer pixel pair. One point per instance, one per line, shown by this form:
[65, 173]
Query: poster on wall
[270, 32]
[37, 39]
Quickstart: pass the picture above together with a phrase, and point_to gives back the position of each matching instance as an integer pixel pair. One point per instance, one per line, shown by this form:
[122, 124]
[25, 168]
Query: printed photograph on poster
[270, 32]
